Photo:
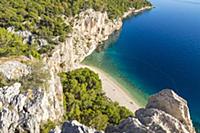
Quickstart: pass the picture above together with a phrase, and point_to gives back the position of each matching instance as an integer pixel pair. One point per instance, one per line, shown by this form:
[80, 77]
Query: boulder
[157, 121]
[129, 125]
[169, 102]
[75, 127]
[14, 69]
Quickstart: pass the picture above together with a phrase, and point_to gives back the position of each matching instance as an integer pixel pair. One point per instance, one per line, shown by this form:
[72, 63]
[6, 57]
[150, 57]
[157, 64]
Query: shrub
[46, 127]
[3, 80]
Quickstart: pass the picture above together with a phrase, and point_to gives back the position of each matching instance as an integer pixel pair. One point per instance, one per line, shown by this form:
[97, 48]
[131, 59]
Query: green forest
[45, 18]
[85, 101]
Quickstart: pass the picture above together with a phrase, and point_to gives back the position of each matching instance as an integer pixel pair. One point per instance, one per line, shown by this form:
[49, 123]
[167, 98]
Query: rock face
[169, 102]
[158, 121]
[165, 112]
[74, 127]
[25, 111]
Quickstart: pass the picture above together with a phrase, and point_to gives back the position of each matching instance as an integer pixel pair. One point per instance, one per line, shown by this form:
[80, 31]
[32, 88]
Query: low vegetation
[46, 127]
[3, 80]
[86, 102]
[11, 44]
[43, 18]
[37, 78]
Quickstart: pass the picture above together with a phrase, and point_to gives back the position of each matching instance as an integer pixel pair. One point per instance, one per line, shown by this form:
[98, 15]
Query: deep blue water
[159, 49]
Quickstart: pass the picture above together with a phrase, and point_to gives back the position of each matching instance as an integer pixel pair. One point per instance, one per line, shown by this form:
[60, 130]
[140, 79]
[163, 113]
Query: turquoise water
[157, 49]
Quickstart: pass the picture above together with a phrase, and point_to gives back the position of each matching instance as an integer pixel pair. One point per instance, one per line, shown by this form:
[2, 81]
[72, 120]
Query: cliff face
[169, 102]
[90, 28]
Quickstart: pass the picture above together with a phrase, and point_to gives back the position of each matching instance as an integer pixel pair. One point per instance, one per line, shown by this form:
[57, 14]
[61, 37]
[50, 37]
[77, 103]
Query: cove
[157, 49]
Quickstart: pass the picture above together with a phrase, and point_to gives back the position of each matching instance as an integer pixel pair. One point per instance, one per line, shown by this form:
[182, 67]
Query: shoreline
[134, 11]
[111, 86]
[113, 90]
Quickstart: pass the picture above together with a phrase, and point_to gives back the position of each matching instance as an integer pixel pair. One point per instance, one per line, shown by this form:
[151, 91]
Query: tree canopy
[86, 102]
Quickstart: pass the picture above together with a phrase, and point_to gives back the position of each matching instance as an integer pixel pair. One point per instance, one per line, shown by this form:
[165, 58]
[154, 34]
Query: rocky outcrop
[74, 127]
[169, 102]
[135, 11]
[13, 69]
[150, 121]
[26, 35]
[21, 110]
[165, 112]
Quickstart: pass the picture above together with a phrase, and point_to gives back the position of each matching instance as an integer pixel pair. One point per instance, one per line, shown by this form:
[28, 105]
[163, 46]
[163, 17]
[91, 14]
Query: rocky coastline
[26, 111]
[166, 112]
